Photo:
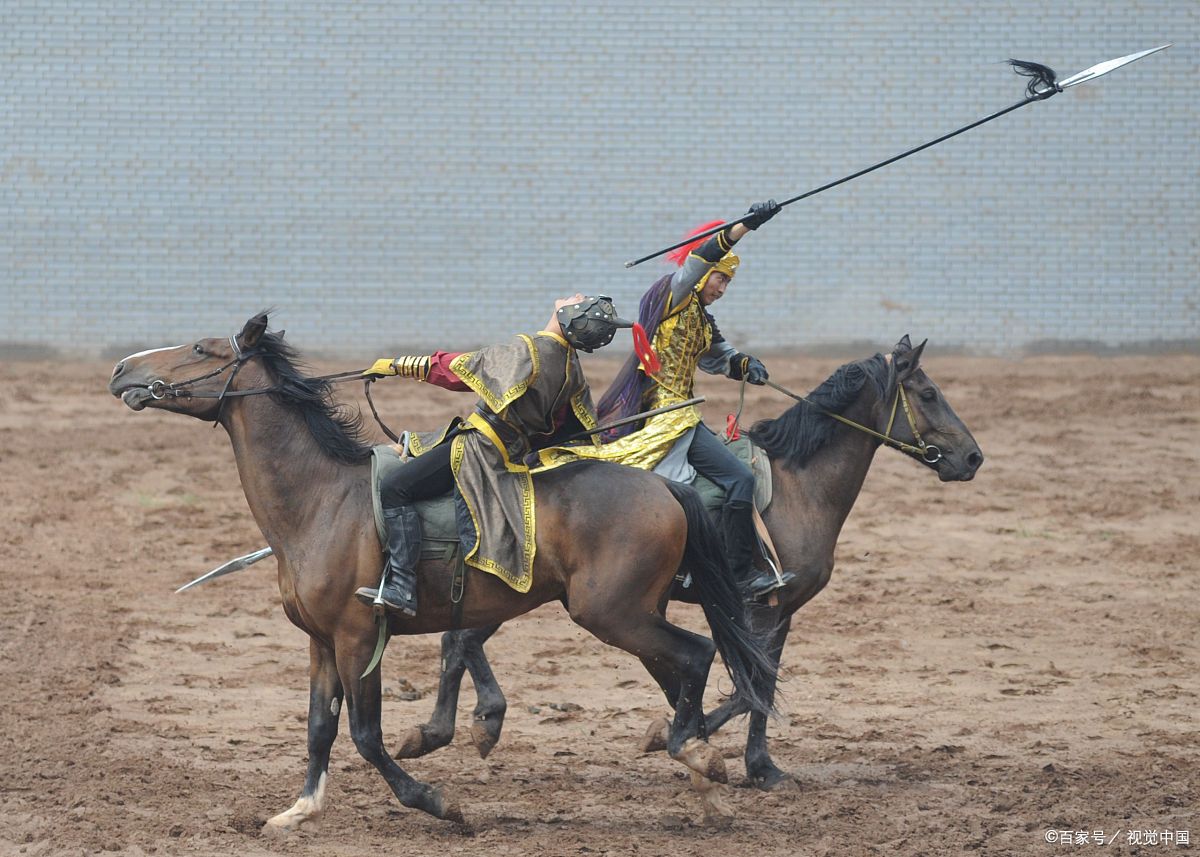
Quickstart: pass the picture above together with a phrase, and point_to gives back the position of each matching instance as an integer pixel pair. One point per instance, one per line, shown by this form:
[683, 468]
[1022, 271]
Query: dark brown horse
[610, 540]
[818, 466]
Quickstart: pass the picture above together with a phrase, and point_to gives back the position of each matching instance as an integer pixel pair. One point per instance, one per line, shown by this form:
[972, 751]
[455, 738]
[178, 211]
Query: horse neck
[813, 503]
[287, 478]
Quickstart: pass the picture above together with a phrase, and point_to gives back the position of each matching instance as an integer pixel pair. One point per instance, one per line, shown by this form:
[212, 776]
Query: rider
[532, 393]
[674, 312]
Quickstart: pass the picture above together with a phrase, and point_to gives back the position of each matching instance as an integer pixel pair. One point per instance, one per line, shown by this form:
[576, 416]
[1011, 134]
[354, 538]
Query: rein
[924, 452]
[160, 389]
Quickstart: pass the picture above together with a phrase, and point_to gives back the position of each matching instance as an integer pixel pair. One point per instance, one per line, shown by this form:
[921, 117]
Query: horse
[610, 540]
[818, 466]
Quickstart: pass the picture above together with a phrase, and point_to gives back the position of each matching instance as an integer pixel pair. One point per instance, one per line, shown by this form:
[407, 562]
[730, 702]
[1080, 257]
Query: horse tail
[750, 666]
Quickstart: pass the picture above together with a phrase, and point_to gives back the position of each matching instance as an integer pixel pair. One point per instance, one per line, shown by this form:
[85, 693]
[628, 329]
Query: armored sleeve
[715, 361]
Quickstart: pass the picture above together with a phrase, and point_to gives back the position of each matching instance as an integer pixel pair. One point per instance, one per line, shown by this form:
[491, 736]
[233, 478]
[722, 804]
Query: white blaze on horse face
[149, 351]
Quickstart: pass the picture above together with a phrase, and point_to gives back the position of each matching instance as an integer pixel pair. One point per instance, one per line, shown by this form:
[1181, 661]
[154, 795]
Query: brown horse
[610, 540]
[818, 466]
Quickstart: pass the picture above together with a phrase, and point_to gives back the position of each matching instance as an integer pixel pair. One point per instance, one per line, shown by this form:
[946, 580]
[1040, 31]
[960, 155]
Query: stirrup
[371, 598]
[767, 582]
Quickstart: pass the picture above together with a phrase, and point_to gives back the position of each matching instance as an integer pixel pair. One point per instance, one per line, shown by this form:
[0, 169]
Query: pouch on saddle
[760, 466]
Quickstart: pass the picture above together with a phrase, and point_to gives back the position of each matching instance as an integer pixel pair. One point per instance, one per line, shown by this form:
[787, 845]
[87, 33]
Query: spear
[1043, 84]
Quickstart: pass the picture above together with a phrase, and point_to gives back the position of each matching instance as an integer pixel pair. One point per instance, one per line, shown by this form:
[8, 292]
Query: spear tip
[1111, 65]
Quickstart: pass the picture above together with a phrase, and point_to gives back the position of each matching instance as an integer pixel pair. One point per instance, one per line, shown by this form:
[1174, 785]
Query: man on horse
[674, 312]
[532, 394]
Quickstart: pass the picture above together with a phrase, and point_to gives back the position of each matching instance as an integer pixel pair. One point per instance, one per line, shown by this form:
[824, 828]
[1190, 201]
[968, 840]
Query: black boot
[403, 550]
[741, 541]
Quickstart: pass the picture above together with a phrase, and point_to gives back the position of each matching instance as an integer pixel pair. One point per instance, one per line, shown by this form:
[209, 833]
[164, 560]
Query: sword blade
[1105, 67]
[229, 568]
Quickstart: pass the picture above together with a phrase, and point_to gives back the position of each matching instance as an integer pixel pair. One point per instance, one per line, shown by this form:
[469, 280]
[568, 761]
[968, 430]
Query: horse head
[187, 379]
[931, 424]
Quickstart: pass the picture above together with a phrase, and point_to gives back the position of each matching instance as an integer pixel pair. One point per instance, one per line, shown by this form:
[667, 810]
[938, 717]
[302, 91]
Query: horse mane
[337, 429]
[797, 434]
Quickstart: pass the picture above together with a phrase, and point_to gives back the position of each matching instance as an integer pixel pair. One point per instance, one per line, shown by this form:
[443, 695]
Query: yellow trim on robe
[481, 425]
[416, 447]
[554, 336]
[480, 388]
[523, 580]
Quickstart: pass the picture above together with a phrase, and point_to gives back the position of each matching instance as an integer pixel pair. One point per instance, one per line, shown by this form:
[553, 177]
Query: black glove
[748, 365]
[760, 213]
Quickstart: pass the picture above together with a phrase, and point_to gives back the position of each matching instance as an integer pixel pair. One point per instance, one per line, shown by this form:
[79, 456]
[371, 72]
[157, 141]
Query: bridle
[160, 389]
[926, 453]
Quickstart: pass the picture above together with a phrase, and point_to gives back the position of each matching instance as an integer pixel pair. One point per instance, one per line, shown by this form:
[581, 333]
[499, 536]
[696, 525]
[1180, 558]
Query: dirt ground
[993, 662]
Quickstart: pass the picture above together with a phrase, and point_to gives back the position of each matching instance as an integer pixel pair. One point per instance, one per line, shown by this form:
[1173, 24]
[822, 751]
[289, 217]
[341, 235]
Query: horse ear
[907, 363]
[903, 345]
[253, 330]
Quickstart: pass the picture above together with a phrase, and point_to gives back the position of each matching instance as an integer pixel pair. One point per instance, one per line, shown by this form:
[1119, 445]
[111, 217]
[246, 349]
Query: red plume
[645, 353]
[680, 256]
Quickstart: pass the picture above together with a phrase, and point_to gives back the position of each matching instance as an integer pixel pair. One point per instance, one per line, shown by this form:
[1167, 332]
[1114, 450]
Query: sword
[229, 568]
[1043, 85]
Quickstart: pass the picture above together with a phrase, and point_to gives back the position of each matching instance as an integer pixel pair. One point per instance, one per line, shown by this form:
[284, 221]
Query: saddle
[439, 527]
[440, 537]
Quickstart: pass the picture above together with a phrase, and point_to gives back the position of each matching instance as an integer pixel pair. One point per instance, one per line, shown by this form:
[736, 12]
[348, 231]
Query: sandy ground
[991, 661]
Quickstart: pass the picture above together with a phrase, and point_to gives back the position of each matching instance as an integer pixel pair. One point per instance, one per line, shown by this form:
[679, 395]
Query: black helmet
[591, 323]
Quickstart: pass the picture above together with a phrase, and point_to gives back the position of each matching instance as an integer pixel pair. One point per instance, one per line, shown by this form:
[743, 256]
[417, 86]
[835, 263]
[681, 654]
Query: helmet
[591, 323]
[727, 264]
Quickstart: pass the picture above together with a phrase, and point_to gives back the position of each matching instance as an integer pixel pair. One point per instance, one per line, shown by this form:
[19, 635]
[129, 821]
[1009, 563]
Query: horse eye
[197, 348]
[928, 395]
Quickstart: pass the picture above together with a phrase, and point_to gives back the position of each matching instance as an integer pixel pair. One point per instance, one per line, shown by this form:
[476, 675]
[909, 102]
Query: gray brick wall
[402, 175]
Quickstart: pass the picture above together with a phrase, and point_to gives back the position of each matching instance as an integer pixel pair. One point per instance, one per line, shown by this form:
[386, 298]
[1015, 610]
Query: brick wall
[402, 175]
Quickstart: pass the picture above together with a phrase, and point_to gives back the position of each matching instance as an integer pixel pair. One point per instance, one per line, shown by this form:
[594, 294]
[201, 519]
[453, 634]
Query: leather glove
[760, 213]
[381, 368]
[749, 366]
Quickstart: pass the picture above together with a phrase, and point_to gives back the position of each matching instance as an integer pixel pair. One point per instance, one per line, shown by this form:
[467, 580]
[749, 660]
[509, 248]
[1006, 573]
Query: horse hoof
[484, 738]
[413, 745]
[285, 823]
[774, 780]
[655, 739]
[446, 808]
[704, 760]
[717, 813]
[304, 811]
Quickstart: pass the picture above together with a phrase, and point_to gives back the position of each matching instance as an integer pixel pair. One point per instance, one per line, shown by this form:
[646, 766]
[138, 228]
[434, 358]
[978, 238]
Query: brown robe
[531, 391]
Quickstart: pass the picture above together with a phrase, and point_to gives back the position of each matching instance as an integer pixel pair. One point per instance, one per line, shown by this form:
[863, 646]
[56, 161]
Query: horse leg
[735, 706]
[659, 731]
[681, 657]
[364, 700]
[324, 704]
[490, 704]
[760, 768]
[687, 660]
[461, 651]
